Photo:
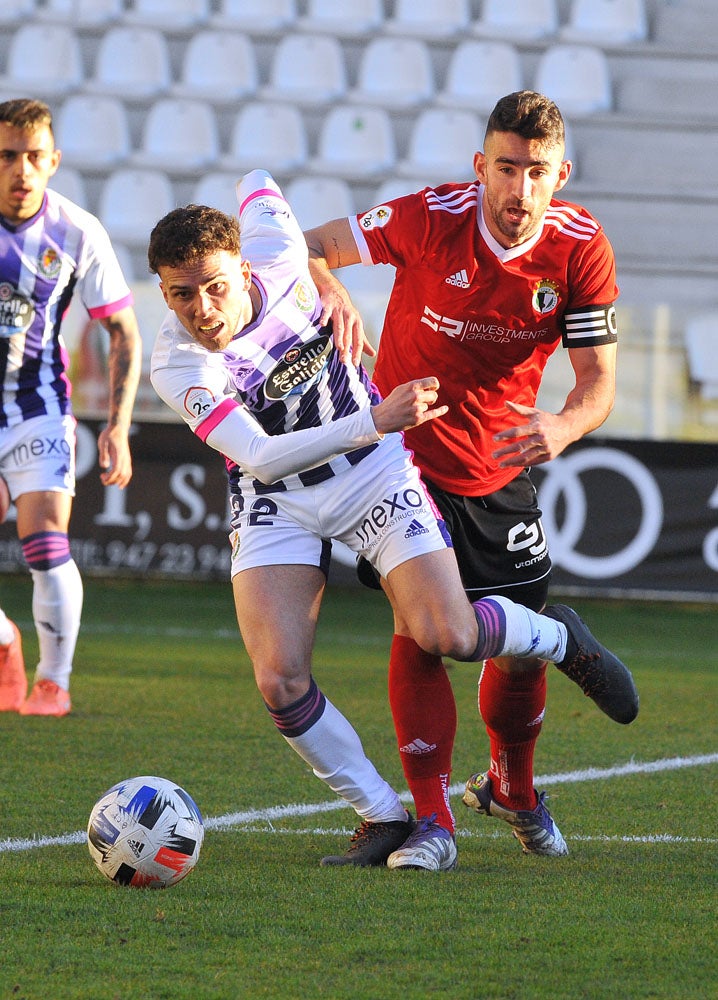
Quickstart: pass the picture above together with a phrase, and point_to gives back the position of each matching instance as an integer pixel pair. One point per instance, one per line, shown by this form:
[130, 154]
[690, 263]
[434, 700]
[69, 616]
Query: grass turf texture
[162, 685]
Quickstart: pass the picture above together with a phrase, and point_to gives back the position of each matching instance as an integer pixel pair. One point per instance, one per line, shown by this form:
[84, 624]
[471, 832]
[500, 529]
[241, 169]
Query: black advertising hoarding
[632, 518]
[636, 517]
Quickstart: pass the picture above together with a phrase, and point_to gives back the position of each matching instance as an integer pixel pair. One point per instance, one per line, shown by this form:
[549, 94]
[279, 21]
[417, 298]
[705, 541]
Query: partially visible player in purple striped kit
[314, 454]
[51, 249]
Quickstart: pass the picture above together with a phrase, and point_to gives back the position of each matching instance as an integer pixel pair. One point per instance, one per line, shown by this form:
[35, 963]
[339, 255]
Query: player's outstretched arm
[124, 363]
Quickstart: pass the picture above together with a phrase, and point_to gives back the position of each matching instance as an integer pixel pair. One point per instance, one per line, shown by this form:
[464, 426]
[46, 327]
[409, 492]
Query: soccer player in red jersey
[491, 276]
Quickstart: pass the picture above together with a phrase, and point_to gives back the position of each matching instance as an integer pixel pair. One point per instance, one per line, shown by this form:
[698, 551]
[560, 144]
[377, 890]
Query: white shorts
[378, 508]
[39, 455]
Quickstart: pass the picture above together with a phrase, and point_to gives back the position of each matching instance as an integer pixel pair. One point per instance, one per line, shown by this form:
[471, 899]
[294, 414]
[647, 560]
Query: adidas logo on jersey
[460, 279]
[414, 529]
[418, 746]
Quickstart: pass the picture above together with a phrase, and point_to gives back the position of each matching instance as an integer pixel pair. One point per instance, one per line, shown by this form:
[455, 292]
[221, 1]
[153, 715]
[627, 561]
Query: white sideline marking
[240, 819]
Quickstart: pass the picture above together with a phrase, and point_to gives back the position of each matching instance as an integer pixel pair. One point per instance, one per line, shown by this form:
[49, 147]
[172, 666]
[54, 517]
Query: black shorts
[499, 542]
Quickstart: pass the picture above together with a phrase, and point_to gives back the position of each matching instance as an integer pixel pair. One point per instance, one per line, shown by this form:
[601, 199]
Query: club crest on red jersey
[545, 297]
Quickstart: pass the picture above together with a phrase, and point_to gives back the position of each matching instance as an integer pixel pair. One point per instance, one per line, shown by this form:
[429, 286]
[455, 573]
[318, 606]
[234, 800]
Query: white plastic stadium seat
[168, 15]
[16, 11]
[317, 199]
[218, 66]
[93, 132]
[343, 18]
[518, 20]
[131, 202]
[576, 77]
[442, 145]
[69, 182]
[218, 190]
[355, 143]
[43, 60]
[606, 22]
[270, 135]
[427, 19]
[256, 16]
[179, 136]
[132, 63]
[480, 72]
[80, 13]
[307, 69]
[394, 73]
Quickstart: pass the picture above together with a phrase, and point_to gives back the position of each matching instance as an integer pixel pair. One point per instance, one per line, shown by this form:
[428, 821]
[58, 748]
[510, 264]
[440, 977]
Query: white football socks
[531, 634]
[335, 753]
[57, 608]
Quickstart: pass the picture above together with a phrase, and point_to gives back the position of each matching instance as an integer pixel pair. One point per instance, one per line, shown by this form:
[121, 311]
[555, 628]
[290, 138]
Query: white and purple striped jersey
[278, 375]
[61, 251]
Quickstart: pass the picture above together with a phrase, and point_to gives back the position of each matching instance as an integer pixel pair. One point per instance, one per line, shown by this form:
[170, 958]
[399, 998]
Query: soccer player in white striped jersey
[492, 275]
[313, 454]
[50, 250]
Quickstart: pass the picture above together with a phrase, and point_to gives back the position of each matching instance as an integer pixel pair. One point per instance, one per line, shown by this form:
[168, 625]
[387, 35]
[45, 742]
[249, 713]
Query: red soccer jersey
[481, 318]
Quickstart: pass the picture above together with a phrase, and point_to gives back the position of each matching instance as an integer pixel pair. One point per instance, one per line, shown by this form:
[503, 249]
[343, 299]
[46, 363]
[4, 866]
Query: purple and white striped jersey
[282, 371]
[61, 251]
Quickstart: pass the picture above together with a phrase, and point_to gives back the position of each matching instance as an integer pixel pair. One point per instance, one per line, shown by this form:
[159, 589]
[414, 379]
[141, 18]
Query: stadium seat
[606, 22]
[426, 19]
[126, 260]
[80, 13]
[317, 199]
[43, 60]
[576, 77]
[307, 69]
[394, 73]
[218, 66]
[168, 15]
[397, 187]
[218, 190]
[16, 11]
[480, 72]
[343, 18]
[131, 63]
[355, 143]
[69, 182]
[270, 135]
[272, 17]
[179, 135]
[93, 132]
[442, 145]
[518, 20]
[131, 202]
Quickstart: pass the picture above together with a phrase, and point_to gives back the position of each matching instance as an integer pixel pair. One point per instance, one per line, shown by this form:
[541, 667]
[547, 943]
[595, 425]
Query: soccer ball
[146, 832]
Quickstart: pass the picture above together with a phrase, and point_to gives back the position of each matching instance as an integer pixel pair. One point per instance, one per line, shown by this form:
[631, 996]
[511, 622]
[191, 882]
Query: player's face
[520, 178]
[28, 159]
[211, 297]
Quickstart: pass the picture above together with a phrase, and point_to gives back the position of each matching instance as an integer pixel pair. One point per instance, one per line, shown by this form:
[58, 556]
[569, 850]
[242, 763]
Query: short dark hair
[191, 233]
[26, 113]
[530, 115]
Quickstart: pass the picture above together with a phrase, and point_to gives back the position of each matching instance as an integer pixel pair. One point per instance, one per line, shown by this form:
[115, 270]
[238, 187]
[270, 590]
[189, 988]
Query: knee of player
[444, 638]
[280, 687]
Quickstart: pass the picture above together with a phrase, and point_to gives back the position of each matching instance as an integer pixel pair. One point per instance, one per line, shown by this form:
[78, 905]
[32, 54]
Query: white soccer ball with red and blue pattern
[145, 832]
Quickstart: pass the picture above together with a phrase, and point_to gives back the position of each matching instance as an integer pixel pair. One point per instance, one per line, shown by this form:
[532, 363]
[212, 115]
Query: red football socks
[424, 711]
[512, 707]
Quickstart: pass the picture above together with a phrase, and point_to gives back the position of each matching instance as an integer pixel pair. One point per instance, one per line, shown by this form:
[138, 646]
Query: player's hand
[350, 340]
[408, 405]
[113, 451]
[537, 440]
